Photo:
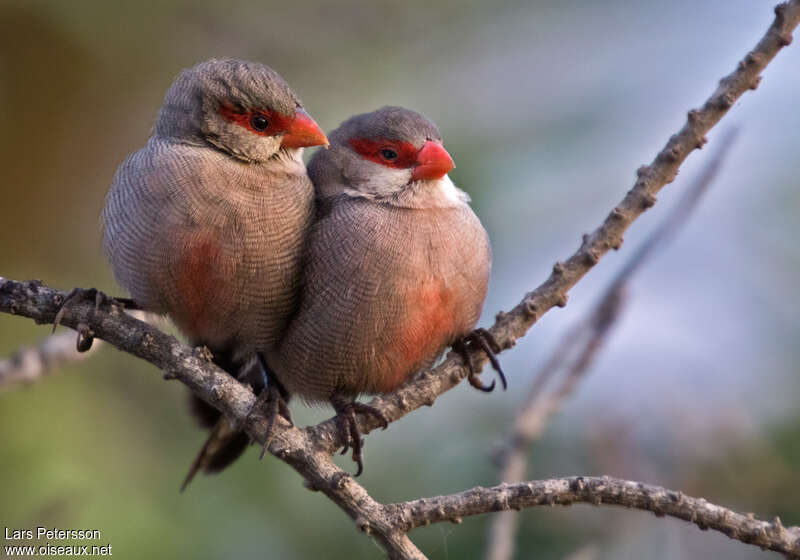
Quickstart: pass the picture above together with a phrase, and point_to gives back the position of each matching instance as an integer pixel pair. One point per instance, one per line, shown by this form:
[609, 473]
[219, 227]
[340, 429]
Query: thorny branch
[602, 490]
[308, 450]
[576, 353]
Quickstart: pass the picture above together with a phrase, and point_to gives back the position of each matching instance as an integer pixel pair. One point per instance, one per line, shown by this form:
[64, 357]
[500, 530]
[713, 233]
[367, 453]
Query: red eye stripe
[277, 122]
[371, 150]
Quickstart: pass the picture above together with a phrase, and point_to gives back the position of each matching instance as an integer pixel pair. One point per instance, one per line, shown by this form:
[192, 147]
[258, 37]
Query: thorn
[693, 115]
[558, 268]
[642, 170]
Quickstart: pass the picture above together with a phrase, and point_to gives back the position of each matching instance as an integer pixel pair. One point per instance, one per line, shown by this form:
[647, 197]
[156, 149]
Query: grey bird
[207, 223]
[397, 266]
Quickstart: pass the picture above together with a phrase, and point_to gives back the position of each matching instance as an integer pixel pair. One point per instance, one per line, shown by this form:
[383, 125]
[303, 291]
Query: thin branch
[33, 363]
[308, 451]
[194, 368]
[584, 341]
[606, 491]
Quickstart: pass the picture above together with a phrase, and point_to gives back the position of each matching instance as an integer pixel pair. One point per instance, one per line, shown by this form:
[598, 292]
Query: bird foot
[347, 412]
[272, 402]
[85, 334]
[484, 340]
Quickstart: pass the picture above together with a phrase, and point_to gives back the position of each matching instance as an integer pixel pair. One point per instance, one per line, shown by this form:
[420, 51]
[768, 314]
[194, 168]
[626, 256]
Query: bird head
[392, 154]
[243, 108]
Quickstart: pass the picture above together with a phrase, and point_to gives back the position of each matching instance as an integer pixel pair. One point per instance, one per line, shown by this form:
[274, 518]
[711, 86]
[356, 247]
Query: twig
[308, 451]
[32, 363]
[585, 340]
[215, 386]
[606, 491]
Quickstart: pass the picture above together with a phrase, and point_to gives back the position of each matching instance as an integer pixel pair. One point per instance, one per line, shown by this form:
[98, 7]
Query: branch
[582, 344]
[33, 363]
[601, 490]
[194, 368]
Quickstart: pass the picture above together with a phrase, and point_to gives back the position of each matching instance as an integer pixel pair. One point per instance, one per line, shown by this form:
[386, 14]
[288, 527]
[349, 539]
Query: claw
[271, 404]
[347, 411]
[475, 381]
[272, 401]
[72, 296]
[85, 338]
[490, 347]
[100, 298]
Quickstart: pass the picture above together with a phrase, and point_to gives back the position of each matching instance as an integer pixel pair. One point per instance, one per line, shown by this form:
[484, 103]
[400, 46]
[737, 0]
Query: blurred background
[548, 108]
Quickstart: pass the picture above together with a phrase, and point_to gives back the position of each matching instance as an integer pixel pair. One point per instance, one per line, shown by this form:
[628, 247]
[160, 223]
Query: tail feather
[224, 445]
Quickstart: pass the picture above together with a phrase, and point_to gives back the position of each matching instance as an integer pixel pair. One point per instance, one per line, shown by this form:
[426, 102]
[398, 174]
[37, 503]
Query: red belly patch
[426, 327]
[197, 281]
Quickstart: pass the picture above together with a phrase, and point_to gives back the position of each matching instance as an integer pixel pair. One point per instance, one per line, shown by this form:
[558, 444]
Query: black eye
[388, 154]
[259, 122]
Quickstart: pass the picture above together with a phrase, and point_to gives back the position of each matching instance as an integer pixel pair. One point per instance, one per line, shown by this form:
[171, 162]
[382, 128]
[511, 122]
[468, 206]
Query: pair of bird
[344, 279]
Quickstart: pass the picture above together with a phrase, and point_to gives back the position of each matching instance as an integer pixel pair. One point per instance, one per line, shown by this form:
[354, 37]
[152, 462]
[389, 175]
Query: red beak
[303, 132]
[433, 162]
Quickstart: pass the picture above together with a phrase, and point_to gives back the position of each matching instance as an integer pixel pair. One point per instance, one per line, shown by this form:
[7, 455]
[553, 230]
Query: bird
[396, 270]
[207, 222]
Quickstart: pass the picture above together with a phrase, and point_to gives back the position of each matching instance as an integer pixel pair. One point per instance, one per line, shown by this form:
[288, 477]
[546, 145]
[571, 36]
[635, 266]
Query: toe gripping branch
[347, 411]
[85, 334]
[484, 340]
[272, 401]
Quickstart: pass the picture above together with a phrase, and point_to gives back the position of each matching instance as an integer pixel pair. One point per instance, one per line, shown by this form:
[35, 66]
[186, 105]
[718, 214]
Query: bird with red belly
[207, 223]
[396, 271]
